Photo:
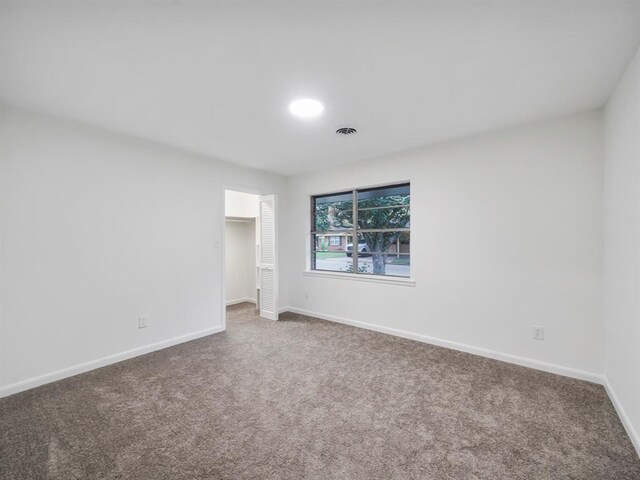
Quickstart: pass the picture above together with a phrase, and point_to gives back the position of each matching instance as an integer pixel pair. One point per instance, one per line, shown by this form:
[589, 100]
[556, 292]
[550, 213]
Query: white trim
[223, 260]
[270, 315]
[275, 267]
[241, 300]
[102, 362]
[363, 187]
[407, 282]
[483, 352]
[624, 418]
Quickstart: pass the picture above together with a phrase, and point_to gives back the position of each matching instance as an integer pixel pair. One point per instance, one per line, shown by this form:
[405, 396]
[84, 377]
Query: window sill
[407, 282]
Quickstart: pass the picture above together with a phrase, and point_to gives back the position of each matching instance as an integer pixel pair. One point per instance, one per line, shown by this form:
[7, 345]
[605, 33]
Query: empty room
[320, 239]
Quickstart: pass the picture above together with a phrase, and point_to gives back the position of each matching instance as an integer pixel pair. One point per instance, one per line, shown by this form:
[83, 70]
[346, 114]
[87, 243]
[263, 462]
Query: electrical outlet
[143, 322]
[538, 333]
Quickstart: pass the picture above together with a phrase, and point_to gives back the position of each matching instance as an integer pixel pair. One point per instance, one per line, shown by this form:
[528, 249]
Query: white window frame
[353, 233]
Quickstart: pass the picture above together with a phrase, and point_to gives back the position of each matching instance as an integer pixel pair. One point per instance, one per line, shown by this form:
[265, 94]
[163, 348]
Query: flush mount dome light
[306, 108]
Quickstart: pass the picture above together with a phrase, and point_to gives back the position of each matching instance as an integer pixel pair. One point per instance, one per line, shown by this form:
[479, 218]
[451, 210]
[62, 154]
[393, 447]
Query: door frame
[223, 253]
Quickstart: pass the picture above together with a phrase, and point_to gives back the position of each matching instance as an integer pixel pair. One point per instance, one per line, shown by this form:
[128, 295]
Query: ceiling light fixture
[306, 108]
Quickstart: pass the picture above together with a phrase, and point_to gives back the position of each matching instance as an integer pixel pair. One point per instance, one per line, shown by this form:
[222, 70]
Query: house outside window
[379, 218]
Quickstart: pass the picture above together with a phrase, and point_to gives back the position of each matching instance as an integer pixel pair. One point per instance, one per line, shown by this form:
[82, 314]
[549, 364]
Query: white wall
[97, 229]
[240, 257]
[622, 248]
[506, 234]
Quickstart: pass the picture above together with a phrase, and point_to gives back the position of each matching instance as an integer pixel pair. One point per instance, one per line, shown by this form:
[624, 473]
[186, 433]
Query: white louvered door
[268, 258]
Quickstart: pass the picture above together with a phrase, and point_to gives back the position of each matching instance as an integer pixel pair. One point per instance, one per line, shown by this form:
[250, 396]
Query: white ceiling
[217, 77]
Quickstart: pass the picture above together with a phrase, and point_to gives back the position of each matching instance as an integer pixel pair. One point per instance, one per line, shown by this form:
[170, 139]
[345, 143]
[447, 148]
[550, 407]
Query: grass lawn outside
[325, 255]
[403, 260]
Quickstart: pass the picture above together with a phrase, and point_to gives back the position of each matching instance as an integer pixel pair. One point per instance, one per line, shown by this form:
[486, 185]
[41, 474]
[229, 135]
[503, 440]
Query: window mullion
[354, 238]
[313, 234]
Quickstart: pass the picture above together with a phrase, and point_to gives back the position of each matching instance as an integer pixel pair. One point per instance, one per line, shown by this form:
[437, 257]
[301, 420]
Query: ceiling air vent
[346, 131]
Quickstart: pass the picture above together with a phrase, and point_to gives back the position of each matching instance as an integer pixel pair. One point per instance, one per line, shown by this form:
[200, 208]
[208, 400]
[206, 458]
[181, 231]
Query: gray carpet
[308, 399]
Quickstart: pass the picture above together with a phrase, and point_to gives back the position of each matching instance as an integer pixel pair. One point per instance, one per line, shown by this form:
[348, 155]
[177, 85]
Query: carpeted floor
[308, 399]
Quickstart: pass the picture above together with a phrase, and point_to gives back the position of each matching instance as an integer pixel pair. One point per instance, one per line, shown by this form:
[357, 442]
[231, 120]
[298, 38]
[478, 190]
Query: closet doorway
[250, 272]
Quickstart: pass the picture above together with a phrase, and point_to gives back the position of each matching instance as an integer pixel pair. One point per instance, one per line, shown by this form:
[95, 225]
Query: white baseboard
[483, 352]
[241, 300]
[102, 362]
[624, 418]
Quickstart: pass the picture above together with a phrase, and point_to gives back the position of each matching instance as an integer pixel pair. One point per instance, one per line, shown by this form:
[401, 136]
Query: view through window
[378, 218]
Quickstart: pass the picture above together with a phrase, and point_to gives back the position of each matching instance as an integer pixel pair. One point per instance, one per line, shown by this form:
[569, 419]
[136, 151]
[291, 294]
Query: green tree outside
[383, 212]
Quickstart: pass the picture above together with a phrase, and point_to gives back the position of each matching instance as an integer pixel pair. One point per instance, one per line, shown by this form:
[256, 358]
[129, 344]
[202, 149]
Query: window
[379, 221]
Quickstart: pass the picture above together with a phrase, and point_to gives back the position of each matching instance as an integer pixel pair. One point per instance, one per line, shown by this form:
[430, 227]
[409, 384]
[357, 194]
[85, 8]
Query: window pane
[384, 208]
[333, 212]
[375, 197]
[334, 259]
[385, 253]
[384, 217]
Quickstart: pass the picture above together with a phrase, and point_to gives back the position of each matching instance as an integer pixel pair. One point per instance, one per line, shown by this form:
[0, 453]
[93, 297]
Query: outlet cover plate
[538, 333]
